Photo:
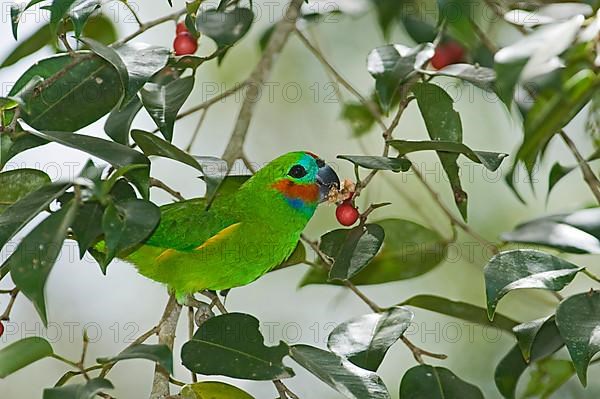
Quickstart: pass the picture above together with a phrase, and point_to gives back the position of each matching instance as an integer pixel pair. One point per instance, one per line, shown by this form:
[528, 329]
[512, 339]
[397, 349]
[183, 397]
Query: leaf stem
[154, 182]
[588, 175]
[591, 275]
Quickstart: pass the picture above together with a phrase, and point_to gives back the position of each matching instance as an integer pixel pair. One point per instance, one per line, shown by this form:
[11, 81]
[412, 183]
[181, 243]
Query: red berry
[1, 328]
[346, 214]
[446, 54]
[181, 28]
[185, 44]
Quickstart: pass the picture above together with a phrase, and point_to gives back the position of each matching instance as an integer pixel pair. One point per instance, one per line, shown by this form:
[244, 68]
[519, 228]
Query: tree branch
[588, 175]
[235, 147]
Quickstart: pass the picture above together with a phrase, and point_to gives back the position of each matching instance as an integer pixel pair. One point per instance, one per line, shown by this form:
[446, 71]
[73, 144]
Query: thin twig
[145, 26]
[283, 391]
[591, 275]
[11, 302]
[191, 325]
[140, 340]
[418, 353]
[133, 12]
[196, 130]
[213, 100]
[588, 175]
[235, 146]
[154, 182]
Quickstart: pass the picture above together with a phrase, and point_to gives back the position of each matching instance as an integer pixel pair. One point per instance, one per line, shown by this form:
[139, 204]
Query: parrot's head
[301, 179]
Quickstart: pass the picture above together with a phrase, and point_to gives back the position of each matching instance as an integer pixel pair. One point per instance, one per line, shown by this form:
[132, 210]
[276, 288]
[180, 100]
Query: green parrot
[242, 235]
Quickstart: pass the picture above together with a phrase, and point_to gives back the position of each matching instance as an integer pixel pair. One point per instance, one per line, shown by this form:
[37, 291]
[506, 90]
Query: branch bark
[235, 147]
[166, 336]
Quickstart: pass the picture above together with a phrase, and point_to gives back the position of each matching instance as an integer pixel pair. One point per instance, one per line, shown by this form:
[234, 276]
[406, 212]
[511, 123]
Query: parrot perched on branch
[242, 235]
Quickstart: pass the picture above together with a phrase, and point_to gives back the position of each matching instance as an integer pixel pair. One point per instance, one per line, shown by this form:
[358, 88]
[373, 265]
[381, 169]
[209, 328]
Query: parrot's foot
[203, 309]
[215, 300]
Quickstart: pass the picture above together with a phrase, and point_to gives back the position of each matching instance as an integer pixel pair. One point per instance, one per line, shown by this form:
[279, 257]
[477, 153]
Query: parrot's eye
[297, 171]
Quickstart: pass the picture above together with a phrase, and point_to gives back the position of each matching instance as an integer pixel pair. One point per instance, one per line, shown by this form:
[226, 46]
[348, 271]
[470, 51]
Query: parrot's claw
[215, 300]
[203, 314]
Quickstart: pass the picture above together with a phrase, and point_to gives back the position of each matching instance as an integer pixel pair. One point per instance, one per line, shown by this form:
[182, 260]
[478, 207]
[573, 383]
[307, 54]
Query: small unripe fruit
[185, 44]
[1, 329]
[346, 214]
[446, 54]
[181, 28]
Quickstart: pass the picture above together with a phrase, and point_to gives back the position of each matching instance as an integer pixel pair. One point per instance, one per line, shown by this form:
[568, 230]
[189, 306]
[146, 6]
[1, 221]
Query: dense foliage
[547, 75]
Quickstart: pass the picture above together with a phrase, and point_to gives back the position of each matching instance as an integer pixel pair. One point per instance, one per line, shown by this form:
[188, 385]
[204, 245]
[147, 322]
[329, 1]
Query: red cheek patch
[305, 192]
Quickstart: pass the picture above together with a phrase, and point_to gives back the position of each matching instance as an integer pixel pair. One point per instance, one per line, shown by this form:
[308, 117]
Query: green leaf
[418, 27]
[511, 367]
[213, 390]
[100, 28]
[224, 27]
[16, 12]
[460, 18]
[30, 45]
[360, 246]
[443, 123]
[142, 61]
[527, 332]
[420, 251]
[548, 377]
[364, 340]
[340, 374]
[231, 345]
[359, 117]
[119, 121]
[116, 154]
[578, 318]
[490, 160]
[87, 226]
[460, 310]
[22, 353]
[556, 174]
[87, 89]
[110, 55]
[13, 219]
[378, 163]
[80, 12]
[126, 224]
[34, 258]
[163, 102]
[58, 10]
[577, 232]
[393, 64]
[89, 390]
[525, 268]
[477, 75]
[17, 183]
[428, 382]
[160, 354]
[507, 77]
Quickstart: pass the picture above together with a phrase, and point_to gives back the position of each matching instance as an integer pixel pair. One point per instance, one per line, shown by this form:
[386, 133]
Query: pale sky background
[120, 306]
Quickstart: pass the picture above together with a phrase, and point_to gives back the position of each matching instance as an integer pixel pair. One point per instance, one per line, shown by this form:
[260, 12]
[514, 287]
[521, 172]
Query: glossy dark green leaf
[87, 89]
[409, 250]
[364, 340]
[34, 258]
[231, 345]
[160, 354]
[557, 172]
[80, 12]
[110, 55]
[361, 245]
[30, 45]
[225, 27]
[126, 224]
[119, 121]
[511, 367]
[443, 123]
[58, 10]
[13, 219]
[17, 183]
[100, 28]
[507, 77]
[459, 16]
[116, 154]
[527, 332]
[577, 232]
[490, 160]
[418, 27]
[387, 13]
[460, 310]
[213, 390]
[525, 268]
[87, 226]
[22, 353]
[359, 117]
[142, 62]
[391, 65]
[89, 390]
[16, 12]
[428, 382]
[163, 102]
[578, 318]
[378, 163]
[547, 377]
[340, 374]
[477, 75]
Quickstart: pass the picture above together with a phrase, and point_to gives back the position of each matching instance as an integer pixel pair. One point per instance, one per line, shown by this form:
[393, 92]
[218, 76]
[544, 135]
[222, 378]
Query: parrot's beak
[326, 179]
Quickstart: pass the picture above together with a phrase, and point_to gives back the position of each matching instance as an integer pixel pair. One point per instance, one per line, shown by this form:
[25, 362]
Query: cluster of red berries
[447, 53]
[346, 213]
[185, 43]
